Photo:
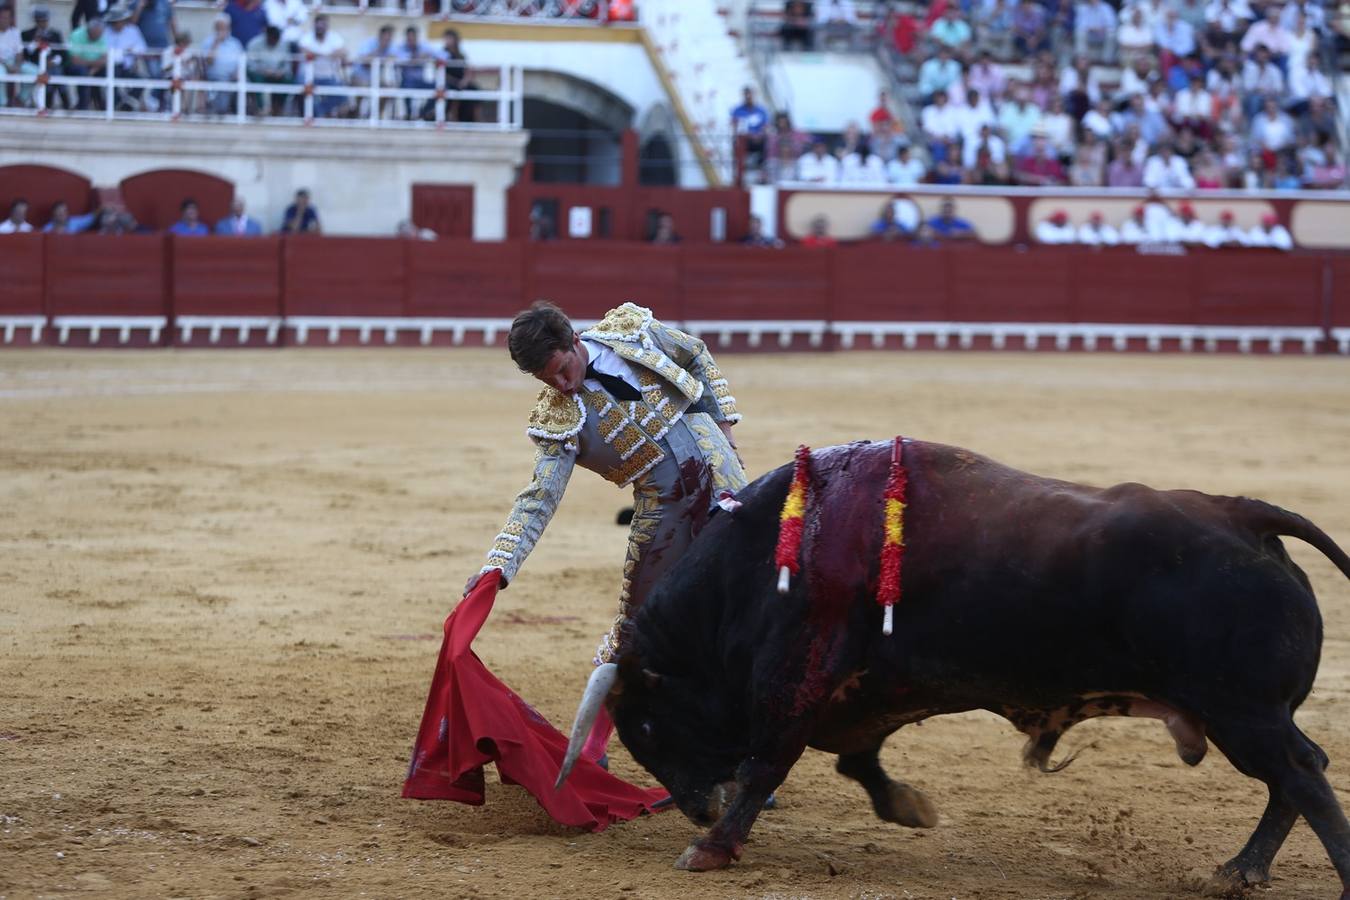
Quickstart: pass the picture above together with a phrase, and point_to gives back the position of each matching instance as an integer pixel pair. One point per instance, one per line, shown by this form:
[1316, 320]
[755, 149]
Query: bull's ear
[653, 679]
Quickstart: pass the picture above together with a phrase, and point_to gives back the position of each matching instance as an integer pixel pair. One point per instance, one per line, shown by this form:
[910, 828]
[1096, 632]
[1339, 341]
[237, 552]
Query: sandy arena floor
[224, 575]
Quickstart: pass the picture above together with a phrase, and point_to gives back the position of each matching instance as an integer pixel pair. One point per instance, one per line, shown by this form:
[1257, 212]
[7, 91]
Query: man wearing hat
[35, 40]
[1056, 230]
[129, 51]
[1270, 233]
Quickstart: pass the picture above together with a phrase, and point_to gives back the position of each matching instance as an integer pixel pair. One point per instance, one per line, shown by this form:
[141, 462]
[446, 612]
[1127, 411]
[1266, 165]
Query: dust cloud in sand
[224, 575]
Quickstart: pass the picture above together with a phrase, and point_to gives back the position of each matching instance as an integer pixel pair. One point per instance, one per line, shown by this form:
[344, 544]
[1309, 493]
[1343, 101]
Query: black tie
[617, 387]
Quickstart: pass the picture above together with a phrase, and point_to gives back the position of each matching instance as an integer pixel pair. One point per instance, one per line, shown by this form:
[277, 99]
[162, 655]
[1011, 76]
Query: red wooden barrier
[155, 198]
[43, 186]
[1338, 315]
[92, 275]
[889, 283]
[226, 276]
[1123, 287]
[1258, 288]
[463, 278]
[21, 274]
[996, 285]
[587, 279]
[731, 282]
[336, 276]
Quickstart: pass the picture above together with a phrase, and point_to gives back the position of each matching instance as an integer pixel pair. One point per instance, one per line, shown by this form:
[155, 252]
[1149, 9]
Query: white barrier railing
[378, 83]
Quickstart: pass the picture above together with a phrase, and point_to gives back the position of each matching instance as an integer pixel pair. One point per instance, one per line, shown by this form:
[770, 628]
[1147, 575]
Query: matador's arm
[534, 507]
[691, 354]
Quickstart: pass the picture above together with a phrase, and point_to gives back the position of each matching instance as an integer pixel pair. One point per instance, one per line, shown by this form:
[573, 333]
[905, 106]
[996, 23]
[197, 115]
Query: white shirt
[1219, 235]
[970, 150]
[1132, 232]
[836, 11]
[1305, 83]
[1048, 232]
[1158, 221]
[1098, 124]
[824, 170]
[1277, 237]
[940, 121]
[11, 45]
[1163, 173]
[325, 66]
[288, 15]
[904, 174]
[1193, 103]
[608, 362]
[1098, 235]
[8, 227]
[854, 171]
[970, 118]
[1179, 232]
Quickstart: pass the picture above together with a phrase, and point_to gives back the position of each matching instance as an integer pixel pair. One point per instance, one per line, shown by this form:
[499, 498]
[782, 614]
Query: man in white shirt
[985, 139]
[1270, 233]
[938, 73]
[1261, 78]
[1313, 14]
[1094, 31]
[1193, 104]
[329, 52]
[1056, 229]
[1226, 233]
[1186, 229]
[291, 16]
[1096, 233]
[1267, 33]
[128, 51]
[17, 220]
[1134, 230]
[836, 19]
[1098, 120]
[1175, 35]
[1272, 129]
[1309, 81]
[973, 116]
[905, 170]
[940, 121]
[818, 166]
[1166, 170]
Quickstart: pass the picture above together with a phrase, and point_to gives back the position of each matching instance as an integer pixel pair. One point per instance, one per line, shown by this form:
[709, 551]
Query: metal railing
[560, 11]
[375, 92]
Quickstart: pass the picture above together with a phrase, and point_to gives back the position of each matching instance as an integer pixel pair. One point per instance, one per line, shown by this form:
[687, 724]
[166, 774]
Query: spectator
[375, 60]
[182, 62]
[1098, 121]
[755, 236]
[1158, 217]
[819, 235]
[905, 170]
[1307, 83]
[940, 121]
[836, 20]
[11, 53]
[1137, 78]
[84, 10]
[1185, 228]
[946, 159]
[222, 57]
[269, 62]
[1134, 38]
[326, 52]
[948, 226]
[457, 78]
[1272, 129]
[541, 225]
[113, 219]
[849, 140]
[407, 230]
[1018, 118]
[238, 223]
[1096, 233]
[1059, 128]
[750, 123]
[248, 18]
[951, 31]
[1226, 233]
[1079, 87]
[1134, 230]
[1056, 230]
[882, 114]
[994, 27]
[1267, 33]
[887, 227]
[290, 16]
[1193, 107]
[786, 145]
[189, 221]
[796, 30]
[1124, 170]
[1261, 80]
[1165, 170]
[1030, 28]
[664, 231]
[17, 220]
[887, 140]
[902, 28]
[984, 141]
[33, 41]
[89, 57]
[862, 166]
[300, 216]
[975, 113]
[1154, 11]
[58, 221]
[938, 73]
[987, 77]
[818, 166]
[1320, 118]
[1040, 167]
[1207, 171]
[129, 51]
[985, 170]
[155, 21]
[1094, 32]
[1175, 38]
[1312, 14]
[1270, 233]
[1089, 166]
[1302, 41]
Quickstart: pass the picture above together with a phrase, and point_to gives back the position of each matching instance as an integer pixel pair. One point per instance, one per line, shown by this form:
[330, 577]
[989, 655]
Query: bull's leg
[1252, 864]
[1292, 766]
[894, 801]
[756, 779]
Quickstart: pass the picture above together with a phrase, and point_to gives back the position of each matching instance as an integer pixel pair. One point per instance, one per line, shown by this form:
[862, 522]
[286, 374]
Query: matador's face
[565, 369]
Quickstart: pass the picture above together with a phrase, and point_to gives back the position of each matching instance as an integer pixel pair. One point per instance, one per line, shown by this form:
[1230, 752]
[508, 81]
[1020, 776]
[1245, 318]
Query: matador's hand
[473, 582]
[726, 430]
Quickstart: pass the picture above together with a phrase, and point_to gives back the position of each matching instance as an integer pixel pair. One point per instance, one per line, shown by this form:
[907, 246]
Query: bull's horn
[597, 688]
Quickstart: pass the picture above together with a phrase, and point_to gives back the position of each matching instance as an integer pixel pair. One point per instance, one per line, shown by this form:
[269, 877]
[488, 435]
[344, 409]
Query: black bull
[1040, 600]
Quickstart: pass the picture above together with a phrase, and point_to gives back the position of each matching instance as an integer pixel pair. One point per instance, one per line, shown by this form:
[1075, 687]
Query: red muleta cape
[471, 718]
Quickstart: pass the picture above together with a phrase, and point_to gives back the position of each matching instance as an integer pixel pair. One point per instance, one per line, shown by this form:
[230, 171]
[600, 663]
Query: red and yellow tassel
[893, 539]
[792, 520]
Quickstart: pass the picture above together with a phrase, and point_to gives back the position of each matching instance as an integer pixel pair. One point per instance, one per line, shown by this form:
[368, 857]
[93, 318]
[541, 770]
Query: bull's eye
[646, 729]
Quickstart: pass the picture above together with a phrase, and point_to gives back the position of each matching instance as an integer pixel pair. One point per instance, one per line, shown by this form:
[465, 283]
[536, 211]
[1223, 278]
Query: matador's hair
[538, 333]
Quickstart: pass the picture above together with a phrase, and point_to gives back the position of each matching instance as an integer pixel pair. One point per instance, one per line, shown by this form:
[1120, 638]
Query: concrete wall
[360, 178]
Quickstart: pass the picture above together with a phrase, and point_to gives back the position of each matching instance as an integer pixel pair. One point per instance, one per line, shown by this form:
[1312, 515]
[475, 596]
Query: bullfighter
[640, 403]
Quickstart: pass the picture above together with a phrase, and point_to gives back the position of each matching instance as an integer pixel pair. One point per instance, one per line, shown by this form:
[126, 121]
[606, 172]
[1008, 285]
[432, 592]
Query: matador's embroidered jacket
[668, 446]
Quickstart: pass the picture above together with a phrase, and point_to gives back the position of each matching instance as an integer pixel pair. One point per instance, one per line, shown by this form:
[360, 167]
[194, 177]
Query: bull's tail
[1269, 519]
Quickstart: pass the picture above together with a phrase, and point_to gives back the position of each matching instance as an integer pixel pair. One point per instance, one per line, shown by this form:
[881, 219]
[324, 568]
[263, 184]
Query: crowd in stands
[300, 217]
[1155, 223]
[1173, 94]
[275, 42]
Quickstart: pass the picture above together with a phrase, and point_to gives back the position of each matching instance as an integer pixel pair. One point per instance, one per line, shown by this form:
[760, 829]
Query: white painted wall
[826, 91]
[361, 179]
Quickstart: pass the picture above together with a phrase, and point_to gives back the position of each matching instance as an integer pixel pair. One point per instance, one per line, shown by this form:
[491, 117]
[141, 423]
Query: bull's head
[685, 733]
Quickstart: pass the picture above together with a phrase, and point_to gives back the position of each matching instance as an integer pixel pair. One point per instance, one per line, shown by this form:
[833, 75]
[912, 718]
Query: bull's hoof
[1234, 877]
[700, 858]
[908, 806]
